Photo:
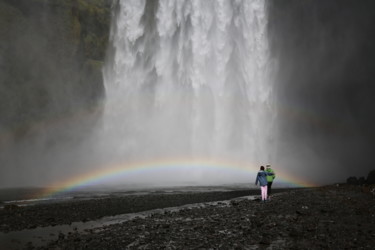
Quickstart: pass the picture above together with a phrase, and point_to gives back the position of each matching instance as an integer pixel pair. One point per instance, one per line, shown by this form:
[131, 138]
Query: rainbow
[149, 167]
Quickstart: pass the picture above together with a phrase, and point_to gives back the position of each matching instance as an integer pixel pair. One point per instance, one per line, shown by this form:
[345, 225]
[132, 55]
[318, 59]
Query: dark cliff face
[325, 79]
[51, 57]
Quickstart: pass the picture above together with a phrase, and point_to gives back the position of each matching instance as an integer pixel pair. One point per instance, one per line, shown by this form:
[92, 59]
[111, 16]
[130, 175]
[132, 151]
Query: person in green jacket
[270, 179]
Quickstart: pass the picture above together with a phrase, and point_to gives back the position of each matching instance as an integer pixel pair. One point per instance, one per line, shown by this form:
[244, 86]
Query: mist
[280, 82]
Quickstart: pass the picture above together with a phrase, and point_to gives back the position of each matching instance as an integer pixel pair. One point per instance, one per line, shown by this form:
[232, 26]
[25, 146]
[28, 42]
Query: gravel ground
[29, 217]
[322, 218]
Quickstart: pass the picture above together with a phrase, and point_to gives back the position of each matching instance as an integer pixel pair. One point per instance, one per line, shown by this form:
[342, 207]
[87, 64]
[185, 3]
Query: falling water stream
[188, 79]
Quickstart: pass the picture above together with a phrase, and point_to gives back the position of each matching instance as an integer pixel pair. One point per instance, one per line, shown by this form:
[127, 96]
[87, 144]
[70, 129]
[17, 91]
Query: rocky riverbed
[14, 218]
[332, 217]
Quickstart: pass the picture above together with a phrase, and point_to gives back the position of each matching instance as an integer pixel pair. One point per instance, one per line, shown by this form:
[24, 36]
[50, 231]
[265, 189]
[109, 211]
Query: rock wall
[51, 57]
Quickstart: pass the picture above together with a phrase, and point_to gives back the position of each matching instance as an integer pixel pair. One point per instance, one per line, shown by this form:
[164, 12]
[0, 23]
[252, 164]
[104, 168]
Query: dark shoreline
[66, 212]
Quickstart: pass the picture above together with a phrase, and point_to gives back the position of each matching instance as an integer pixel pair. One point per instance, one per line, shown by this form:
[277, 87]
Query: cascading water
[188, 79]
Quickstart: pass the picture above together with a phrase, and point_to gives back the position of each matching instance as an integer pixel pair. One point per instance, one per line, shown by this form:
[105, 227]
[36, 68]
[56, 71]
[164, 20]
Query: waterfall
[189, 78]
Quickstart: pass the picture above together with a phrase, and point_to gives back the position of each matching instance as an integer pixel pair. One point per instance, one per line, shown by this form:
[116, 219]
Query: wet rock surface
[321, 218]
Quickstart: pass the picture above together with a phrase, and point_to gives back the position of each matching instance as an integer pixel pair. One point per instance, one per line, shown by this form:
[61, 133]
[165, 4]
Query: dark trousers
[269, 185]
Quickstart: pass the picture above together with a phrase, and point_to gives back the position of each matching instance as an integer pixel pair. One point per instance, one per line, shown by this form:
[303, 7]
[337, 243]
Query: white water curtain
[189, 78]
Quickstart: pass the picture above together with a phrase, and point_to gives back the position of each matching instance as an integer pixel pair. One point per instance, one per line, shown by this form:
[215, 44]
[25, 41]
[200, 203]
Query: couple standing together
[265, 179]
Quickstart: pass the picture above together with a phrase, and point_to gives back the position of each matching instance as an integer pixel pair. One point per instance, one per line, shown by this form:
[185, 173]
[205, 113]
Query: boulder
[361, 180]
[352, 180]
[371, 177]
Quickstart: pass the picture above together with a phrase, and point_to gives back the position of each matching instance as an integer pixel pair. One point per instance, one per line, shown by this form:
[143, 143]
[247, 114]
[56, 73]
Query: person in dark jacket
[262, 179]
